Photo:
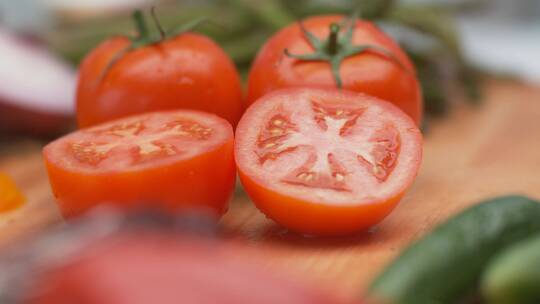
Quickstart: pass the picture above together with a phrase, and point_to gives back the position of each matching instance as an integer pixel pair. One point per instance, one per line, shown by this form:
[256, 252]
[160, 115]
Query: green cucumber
[446, 265]
[513, 277]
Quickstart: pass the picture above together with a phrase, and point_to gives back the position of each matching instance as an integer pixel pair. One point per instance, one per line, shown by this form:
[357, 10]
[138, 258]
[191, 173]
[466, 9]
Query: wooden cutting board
[475, 153]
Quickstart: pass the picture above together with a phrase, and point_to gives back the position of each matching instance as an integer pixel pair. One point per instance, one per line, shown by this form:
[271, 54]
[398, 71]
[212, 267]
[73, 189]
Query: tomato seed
[278, 122]
[276, 131]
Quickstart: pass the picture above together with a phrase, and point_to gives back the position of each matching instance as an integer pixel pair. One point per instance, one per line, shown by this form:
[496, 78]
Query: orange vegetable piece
[10, 195]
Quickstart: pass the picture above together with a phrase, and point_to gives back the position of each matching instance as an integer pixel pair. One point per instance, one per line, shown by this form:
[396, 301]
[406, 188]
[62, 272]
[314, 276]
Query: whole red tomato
[335, 51]
[124, 76]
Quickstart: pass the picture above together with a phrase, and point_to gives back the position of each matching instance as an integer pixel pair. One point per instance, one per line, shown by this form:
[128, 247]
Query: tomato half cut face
[171, 159]
[326, 161]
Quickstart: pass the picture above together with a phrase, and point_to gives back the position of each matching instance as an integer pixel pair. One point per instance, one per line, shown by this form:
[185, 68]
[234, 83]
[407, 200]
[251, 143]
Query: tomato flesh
[326, 153]
[171, 159]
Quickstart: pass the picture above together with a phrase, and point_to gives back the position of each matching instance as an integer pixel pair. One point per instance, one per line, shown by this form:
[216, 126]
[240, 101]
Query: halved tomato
[170, 160]
[326, 162]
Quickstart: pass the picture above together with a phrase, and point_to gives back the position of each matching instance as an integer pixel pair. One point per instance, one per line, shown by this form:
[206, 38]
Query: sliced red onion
[37, 89]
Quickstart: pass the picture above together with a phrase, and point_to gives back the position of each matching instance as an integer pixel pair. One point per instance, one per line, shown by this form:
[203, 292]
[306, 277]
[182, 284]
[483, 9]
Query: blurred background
[453, 43]
[467, 52]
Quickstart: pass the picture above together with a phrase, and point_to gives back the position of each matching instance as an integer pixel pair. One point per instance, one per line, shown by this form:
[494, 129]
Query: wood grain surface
[474, 153]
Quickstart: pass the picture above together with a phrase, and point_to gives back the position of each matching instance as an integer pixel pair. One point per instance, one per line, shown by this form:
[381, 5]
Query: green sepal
[338, 46]
[145, 38]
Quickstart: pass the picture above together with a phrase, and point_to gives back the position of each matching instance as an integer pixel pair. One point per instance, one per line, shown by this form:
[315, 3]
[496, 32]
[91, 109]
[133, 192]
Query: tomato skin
[207, 180]
[316, 219]
[368, 73]
[204, 181]
[319, 217]
[188, 71]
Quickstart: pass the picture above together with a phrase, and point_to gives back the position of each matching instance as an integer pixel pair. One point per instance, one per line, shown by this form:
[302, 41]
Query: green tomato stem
[333, 43]
[140, 24]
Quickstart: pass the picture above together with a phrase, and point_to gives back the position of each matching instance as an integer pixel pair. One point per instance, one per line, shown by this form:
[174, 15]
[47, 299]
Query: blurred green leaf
[242, 26]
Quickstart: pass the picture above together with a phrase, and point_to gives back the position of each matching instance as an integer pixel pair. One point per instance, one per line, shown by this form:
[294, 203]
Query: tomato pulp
[168, 159]
[326, 162]
[381, 69]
